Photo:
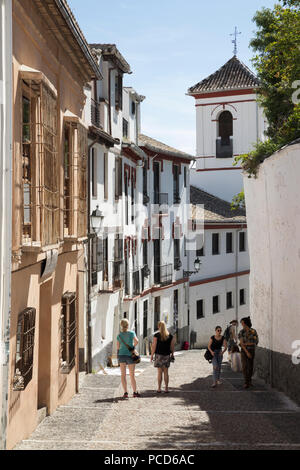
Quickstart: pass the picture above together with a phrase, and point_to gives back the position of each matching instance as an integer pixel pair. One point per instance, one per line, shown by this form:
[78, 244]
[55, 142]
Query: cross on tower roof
[234, 41]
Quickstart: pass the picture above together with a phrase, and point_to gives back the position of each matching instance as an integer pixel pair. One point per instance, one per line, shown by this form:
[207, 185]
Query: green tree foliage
[277, 61]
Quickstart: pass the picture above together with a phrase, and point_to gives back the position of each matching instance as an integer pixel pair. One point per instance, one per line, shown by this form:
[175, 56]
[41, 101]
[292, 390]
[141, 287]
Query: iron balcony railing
[224, 147]
[95, 113]
[163, 274]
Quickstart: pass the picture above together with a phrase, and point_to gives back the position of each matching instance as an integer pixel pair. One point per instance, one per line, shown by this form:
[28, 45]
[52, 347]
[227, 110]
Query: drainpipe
[6, 209]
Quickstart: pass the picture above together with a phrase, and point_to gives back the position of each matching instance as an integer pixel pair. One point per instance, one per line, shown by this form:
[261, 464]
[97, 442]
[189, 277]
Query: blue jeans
[217, 363]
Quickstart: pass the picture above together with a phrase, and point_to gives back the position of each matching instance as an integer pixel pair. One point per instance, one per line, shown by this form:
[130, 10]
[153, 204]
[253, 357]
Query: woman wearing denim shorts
[129, 338]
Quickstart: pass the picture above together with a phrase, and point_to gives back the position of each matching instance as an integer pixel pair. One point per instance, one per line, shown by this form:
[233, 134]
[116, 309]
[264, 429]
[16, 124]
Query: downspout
[89, 319]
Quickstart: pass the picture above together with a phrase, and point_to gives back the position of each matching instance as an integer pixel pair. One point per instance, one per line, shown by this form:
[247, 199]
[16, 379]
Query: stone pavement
[192, 416]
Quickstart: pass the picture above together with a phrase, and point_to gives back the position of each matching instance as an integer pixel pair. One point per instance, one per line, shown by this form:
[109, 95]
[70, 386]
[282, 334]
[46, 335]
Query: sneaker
[213, 385]
[219, 382]
[125, 395]
[136, 395]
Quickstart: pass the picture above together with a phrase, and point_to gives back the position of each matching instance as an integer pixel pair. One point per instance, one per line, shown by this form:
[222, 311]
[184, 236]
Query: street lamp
[96, 220]
[197, 266]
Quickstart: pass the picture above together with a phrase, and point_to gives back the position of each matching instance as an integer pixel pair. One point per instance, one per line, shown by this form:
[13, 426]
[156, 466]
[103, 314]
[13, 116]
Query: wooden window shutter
[68, 332]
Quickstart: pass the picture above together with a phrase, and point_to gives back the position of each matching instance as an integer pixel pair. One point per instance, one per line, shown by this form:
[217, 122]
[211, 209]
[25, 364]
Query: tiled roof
[160, 147]
[216, 210]
[233, 75]
[110, 51]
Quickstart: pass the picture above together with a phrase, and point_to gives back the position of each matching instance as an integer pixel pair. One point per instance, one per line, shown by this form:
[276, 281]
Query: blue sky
[170, 45]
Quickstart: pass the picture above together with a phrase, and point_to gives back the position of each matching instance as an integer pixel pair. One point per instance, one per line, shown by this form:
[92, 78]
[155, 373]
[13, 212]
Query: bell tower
[228, 122]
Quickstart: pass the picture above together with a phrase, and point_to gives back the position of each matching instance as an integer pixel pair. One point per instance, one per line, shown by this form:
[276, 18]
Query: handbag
[208, 356]
[134, 354]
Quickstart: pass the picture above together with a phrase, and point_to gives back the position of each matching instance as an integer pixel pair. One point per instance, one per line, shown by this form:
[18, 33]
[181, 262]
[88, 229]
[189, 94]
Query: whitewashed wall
[273, 211]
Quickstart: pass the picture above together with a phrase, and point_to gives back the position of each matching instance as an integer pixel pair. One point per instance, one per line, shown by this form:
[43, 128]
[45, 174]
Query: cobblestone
[192, 416]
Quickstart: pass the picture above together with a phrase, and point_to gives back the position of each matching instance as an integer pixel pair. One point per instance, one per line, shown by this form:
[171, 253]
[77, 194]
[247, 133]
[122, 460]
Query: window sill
[36, 247]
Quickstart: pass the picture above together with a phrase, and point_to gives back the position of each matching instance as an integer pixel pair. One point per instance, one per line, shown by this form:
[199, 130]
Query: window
[25, 348]
[94, 172]
[40, 205]
[97, 259]
[175, 310]
[68, 332]
[225, 127]
[119, 91]
[229, 246]
[229, 303]
[242, 241]
[145, 319]
[185, 176]
[68, 157]
[200, 309]
[145, 252]
[105, 173]
[136, 318]
[118, 178]
[242, 297]
[125, 128]
[176, 184]
[133, 107]
[200, 245]
[82, 149]
[177, 262]
[156, 312]
[145, 183]
[216, 304]
[215, 244]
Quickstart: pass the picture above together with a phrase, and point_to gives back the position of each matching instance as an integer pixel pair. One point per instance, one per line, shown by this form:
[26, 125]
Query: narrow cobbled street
[192, 416]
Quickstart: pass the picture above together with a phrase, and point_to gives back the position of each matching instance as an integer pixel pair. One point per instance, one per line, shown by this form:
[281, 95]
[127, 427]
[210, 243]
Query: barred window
[68, 332]
[82, 149]
[40, 193]
[25, 348]
[68, 177]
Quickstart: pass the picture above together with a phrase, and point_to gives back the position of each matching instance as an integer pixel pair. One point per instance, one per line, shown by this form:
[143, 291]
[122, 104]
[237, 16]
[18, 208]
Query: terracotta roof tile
[233, 75]
[156, 145]
[216, 210]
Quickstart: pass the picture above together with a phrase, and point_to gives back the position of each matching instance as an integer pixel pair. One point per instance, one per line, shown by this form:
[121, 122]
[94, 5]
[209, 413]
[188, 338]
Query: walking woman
[215, 346]
[163, 347]
[126, 342]
[248, 341]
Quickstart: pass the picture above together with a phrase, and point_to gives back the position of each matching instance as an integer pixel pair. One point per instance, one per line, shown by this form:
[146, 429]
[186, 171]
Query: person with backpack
[126, 342]
[215, 345]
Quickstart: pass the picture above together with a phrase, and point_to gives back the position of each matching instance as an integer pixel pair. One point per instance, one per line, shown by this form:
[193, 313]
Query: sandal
[158, 391]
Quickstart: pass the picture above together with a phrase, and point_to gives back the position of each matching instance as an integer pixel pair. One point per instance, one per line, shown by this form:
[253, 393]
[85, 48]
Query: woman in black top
[215, 345]
[163, 347]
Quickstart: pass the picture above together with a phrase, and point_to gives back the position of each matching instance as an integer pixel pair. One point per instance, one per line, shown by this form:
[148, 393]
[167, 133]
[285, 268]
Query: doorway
[44, 364]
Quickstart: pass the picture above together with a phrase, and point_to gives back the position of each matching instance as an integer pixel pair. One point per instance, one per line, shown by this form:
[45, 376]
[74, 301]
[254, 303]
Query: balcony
[136, 289]
[95, 113]
[161, 201]
[163, 274]
[224, 147]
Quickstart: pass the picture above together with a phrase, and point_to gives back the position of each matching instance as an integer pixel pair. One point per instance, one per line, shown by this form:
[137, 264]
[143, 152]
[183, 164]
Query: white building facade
[228, 123]
[139, 189]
